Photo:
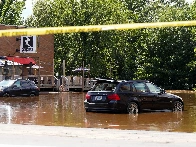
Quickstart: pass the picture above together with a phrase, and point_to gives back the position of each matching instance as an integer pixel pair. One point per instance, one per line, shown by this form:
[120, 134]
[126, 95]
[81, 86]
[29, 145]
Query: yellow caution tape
[92, 28]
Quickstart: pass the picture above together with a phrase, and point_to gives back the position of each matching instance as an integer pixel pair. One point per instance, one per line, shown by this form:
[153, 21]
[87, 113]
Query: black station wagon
[19, 87]
[132, 96]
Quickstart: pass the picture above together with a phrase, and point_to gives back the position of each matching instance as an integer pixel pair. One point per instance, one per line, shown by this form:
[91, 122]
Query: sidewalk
[50, 136]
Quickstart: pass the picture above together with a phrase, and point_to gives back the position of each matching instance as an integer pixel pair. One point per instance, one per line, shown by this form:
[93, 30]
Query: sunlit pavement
[51, 136]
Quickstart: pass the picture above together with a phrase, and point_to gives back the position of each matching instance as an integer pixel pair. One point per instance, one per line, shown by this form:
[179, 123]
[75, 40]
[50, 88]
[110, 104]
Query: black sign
[28, 44]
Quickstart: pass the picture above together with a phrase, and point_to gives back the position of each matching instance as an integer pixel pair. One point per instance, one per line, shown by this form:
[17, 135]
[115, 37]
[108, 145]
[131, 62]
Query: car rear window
[105, 86]
[7, 82]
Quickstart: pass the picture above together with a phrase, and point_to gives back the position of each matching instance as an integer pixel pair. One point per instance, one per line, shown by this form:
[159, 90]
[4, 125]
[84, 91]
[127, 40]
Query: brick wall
[45, 49]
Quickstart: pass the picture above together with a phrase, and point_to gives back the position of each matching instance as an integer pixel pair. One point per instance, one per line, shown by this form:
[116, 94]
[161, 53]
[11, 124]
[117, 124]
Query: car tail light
[87, 96]
[113, 97]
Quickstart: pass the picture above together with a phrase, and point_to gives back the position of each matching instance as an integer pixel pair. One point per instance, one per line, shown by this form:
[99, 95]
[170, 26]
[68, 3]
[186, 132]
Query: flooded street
[67, 109]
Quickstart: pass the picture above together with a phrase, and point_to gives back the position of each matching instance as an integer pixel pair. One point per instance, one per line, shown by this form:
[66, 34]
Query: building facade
[25, 61]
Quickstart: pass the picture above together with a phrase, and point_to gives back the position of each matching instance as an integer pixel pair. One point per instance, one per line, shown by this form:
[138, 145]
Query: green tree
[165, 56]
[10, 12]
[98, 49]
[165, 53]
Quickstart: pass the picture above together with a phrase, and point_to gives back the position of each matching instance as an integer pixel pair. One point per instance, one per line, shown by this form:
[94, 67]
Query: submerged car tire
[178, 106]
[87, 110]
[6, 94]
[132, 108]
[32, 95]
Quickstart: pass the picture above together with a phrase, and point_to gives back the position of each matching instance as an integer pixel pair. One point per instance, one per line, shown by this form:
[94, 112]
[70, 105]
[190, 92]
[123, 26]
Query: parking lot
[67, 109]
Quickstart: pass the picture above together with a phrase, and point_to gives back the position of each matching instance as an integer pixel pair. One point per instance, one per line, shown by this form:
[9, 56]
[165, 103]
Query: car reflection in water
[157, 121]
[6, 114]
[59, 109]
[18, 110]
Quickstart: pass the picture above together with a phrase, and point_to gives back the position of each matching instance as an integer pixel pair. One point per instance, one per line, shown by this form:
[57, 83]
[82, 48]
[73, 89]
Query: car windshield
[6, 83]
[153, 88]
[105, 86]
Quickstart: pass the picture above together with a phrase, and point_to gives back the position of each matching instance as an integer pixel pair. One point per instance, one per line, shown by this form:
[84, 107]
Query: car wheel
[178, 106]
[32, 95]
[132, 108]
[87, 110]
[6, 94]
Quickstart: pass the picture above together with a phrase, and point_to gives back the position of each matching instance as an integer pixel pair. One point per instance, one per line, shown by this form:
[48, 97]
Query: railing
[65, 83]
[46, 81]
[71, 83]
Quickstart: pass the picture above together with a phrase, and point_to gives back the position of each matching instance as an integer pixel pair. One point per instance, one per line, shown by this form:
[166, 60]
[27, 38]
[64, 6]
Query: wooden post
[39, 74]
[63, 67]
[82, 76]
[13, 73]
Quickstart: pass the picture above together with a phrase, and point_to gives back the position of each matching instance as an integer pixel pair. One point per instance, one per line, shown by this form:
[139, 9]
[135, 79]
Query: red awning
[21, 60]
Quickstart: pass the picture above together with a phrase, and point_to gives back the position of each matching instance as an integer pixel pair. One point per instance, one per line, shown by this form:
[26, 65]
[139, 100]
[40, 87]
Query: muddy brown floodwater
[67, 109]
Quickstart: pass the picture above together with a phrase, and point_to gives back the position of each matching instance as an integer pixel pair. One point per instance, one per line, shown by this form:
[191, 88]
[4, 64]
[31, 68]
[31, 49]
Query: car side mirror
[162, 91]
